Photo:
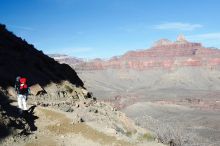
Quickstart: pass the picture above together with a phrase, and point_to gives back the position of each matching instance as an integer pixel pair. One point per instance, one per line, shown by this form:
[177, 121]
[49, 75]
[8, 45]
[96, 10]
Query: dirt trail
[58, 128]
[55, 128]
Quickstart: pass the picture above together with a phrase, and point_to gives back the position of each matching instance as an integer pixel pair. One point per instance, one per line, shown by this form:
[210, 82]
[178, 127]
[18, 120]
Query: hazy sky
[104, 28]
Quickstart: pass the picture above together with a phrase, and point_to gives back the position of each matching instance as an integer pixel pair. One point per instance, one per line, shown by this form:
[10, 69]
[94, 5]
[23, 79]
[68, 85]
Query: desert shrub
[129, 134]
[147, 136]
[173, 135]
[68, 88]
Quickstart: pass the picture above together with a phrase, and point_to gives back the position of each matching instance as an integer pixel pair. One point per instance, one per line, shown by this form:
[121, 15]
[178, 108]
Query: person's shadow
[12, 118]
[30, 118]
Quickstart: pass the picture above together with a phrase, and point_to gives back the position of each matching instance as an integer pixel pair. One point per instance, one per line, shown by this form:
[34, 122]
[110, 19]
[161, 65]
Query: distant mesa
[58, 55]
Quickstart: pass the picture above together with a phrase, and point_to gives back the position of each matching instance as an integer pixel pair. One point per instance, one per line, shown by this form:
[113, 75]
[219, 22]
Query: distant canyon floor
[192, 113]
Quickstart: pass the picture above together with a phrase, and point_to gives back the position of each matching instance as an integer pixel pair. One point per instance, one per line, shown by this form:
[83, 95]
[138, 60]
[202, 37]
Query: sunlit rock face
[163, 54]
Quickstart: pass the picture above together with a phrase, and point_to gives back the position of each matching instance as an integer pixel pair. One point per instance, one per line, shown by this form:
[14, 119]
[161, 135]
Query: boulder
[111, 131]
[36, 89]
[11, 91]
[85, 92]
[77, 119]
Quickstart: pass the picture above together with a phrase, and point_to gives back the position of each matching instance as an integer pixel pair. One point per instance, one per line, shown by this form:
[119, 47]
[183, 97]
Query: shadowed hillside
[17, 57]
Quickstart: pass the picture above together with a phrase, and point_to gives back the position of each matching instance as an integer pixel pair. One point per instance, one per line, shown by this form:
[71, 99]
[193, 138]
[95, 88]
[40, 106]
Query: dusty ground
[63, 132]
[56, 128]
[202, 125]
[185, 98]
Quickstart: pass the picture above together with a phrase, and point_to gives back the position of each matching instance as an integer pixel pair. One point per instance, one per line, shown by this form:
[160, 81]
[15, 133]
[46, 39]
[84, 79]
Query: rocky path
[56, 128]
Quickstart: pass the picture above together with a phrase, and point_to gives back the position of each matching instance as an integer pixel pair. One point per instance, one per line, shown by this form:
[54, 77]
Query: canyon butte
[163, 54]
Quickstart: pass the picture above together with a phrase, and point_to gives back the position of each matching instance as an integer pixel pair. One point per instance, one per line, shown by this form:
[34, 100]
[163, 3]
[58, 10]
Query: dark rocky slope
[17, 57]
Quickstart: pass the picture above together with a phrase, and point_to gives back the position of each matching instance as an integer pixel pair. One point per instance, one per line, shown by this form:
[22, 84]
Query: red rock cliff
[163, 54]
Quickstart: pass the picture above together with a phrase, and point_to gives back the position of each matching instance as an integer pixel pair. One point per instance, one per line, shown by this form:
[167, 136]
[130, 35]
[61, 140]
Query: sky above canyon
[105, 28]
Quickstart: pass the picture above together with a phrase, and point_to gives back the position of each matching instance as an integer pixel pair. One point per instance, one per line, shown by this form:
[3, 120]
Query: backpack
[23, 88]
[17, 84]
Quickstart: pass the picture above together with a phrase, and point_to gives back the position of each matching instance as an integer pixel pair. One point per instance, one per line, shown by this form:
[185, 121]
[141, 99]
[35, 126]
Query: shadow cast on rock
[11, 122]
[30, 118]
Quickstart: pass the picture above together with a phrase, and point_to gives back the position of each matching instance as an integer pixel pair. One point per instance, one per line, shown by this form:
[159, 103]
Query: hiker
[22, 93]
